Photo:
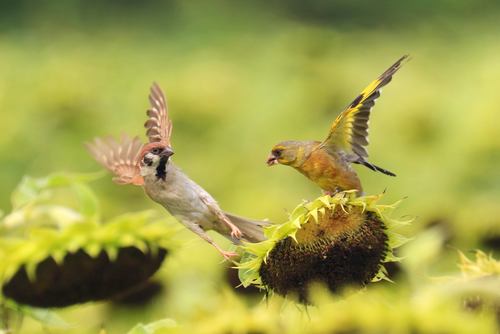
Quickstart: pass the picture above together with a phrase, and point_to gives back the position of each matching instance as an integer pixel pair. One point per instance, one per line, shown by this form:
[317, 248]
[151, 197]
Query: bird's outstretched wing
[119, 157]
[349, 131]
[158, 126]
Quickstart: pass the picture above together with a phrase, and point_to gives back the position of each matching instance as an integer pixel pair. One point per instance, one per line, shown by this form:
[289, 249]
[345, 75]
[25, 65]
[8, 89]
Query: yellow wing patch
[349, 131]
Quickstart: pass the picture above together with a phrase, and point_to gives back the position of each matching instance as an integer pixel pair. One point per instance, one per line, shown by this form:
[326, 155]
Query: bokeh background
[241, 76]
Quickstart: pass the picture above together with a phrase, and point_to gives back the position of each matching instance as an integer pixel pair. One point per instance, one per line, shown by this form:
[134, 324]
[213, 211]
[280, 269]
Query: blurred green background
[241, 76]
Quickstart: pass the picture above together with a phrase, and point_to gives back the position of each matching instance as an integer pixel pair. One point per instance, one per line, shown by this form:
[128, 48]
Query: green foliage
[158, 327]
[377, 309]
[44, 316]
[33, 201]
[396, 308]
[484, 265]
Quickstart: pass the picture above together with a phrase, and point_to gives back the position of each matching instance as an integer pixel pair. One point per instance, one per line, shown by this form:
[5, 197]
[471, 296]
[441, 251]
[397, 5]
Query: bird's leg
[214, 208]
[228, 255]
[235, 231]
[201, 232]
[332, 192]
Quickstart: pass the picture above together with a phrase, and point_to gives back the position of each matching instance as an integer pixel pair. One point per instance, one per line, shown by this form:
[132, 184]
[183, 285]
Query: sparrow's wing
[121, 158]
[158, 126]
[349, 131]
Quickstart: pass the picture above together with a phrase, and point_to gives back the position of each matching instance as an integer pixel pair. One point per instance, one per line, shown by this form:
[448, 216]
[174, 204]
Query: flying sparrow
[150, 166]
[328, 163]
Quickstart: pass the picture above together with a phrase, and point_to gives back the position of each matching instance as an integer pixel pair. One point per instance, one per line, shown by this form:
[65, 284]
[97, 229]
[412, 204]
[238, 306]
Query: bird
[328, 163]
[150, 166]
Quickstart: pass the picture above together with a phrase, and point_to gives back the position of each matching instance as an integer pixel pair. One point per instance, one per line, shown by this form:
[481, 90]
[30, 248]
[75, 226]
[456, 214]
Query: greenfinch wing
[349, 131]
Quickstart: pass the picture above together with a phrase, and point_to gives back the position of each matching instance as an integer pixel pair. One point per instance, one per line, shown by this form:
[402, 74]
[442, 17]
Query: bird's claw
[332, 193]
[235, 231]
[228, 255]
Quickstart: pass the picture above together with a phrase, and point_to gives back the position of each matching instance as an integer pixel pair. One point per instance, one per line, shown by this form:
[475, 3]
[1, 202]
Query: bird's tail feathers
[376, 168]
[252, 229]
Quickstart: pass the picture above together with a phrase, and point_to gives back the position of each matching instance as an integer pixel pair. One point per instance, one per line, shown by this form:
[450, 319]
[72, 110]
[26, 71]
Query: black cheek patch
[161, 170]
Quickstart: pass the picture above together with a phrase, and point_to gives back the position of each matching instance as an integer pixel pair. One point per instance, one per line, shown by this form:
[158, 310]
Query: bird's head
[287, 153]
[154, 159]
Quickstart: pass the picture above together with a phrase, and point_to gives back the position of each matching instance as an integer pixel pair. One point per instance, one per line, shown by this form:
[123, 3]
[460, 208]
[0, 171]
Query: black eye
[277, 153]
[156, 150]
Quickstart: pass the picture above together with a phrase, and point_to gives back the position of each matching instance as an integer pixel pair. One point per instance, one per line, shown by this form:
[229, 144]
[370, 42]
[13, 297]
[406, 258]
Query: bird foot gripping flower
[339, 240]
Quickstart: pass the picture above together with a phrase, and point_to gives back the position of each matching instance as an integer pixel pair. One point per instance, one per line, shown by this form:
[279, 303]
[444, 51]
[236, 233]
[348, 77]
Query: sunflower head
[339, 241]
[53, 255]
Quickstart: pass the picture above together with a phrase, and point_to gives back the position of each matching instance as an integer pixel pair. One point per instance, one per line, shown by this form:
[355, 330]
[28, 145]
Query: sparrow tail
[252, 229]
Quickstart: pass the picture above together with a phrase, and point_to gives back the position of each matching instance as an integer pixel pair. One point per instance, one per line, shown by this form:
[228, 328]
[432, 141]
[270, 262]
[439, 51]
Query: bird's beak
[167, 152]
[272, 160]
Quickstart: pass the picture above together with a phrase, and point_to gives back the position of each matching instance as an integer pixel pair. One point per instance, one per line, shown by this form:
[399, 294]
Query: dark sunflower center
[342, 249]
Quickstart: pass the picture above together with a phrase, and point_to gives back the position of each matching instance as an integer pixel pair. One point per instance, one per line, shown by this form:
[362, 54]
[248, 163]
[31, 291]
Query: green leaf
[46, 317]
[89, 205]
[26, 191]
[156, 327]
[30, 189]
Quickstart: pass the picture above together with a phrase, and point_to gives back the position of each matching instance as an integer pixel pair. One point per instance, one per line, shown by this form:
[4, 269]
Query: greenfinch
[328, 163]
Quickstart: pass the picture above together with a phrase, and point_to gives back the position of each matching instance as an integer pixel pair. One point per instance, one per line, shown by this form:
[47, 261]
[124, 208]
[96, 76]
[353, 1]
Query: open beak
[272, 160]
[167, 152]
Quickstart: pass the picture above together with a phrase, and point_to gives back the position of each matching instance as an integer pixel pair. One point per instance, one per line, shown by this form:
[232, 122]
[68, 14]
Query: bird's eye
[277, 153]
[147, 161]
[156, 150]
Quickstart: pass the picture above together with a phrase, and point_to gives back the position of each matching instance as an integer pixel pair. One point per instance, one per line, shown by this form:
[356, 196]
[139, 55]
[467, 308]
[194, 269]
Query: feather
[349, 131]
[158, 126]
[120, 158]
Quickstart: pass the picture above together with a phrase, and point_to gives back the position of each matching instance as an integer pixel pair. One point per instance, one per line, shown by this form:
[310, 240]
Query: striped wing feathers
[121, 158]
[349, 131]
[158, 126]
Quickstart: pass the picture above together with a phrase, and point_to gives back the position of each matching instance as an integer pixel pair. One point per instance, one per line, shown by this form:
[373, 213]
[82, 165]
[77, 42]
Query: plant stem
[4, 317]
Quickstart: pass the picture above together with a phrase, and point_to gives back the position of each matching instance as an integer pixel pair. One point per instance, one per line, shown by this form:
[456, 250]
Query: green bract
[484, 265]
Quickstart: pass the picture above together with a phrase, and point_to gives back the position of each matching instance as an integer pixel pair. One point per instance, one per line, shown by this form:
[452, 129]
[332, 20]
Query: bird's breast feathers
[330, 171]
[180, 196]
[320, 167]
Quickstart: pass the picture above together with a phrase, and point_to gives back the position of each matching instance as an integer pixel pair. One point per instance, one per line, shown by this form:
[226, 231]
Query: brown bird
[328, 163]
[150, 166]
